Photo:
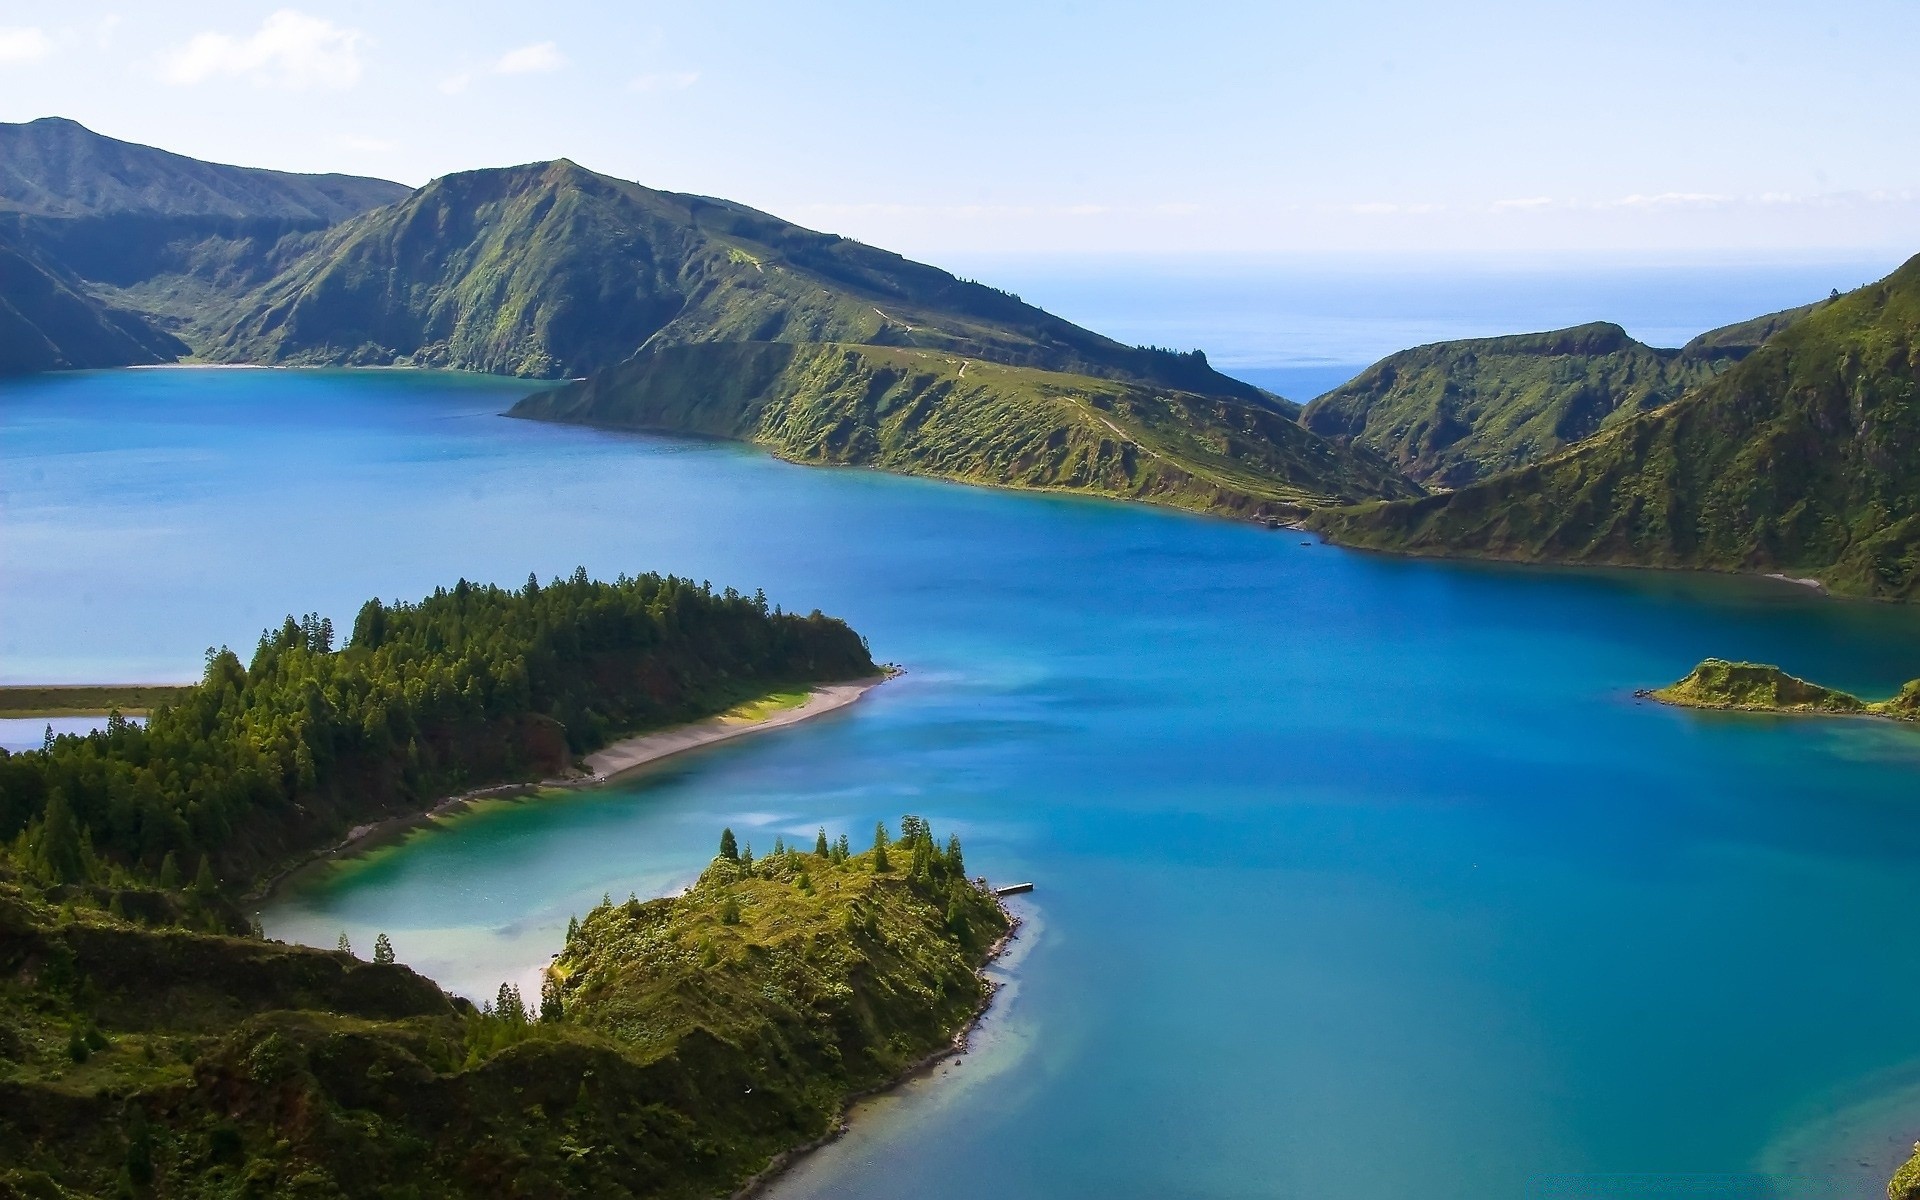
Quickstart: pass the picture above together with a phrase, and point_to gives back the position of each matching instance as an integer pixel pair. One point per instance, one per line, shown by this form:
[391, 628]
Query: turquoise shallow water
[1358, 877]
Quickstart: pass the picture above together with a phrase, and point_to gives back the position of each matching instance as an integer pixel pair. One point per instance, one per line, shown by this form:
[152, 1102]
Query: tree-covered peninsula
[679, 1047]
[266, 761]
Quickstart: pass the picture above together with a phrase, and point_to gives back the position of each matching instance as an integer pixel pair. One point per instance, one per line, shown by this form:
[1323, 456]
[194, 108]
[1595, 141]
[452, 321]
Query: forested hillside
[267, 761]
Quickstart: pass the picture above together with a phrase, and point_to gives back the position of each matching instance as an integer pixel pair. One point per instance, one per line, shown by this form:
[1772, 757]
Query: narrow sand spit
[634, 752]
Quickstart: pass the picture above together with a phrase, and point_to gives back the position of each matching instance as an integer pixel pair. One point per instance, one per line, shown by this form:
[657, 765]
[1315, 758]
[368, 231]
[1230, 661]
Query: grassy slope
[1805, 458]
[150, 243]
[258, 1069]
[552, 270]
[59, 168]
[1757, 687]
[1455, 412]
[928, 412]
[50, 321]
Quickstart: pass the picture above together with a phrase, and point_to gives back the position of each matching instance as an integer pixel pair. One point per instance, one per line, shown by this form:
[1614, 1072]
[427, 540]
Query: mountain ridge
[1450, 413]
[1803, 458]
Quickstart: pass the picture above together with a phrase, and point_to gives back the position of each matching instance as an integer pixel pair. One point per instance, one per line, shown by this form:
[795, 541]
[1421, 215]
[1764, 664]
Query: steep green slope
[551, 270]
[1804, 458]
[930, 413]
[169, 237]
[1454, 412]
[49, 321]
[690, 1040]
[54, 167]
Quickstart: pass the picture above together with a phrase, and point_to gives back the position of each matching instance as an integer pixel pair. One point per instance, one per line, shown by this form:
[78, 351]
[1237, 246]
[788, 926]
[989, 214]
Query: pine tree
[508, 1006]
[729, 848]
[779, 847]
[956, 863]
[345, 947]
[551, 1008]
[382, 950]
[746, 856]
[820, 847]
[880, 863]
[169, 872]
[204, 884]
[57, 851]
[139, 1148]
[573, 929]
[842, 848]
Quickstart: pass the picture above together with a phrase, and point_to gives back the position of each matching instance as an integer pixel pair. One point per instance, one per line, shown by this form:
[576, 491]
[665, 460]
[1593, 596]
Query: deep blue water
[1357, 877]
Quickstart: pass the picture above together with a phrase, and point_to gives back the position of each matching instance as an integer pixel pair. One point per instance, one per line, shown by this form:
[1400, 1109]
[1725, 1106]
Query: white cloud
[540, 56]
[664, 81]
[1524, 203]
[290, 50]
[23, 43]
[453, 85]
[1667, 200]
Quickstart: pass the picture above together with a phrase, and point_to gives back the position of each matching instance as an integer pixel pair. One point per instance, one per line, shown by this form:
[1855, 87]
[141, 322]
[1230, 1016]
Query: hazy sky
[1760, 127]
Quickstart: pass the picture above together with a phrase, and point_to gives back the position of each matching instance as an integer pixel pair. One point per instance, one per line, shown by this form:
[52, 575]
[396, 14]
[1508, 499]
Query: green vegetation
[551, 270]
[264, 763]
[86, 700]
[111, 253]
[1905, 1184]
[1455, 412]
[49, 321]
[1757, 687]
[824, 349]
[924, 412]
[1803, 458]
[679, 1045]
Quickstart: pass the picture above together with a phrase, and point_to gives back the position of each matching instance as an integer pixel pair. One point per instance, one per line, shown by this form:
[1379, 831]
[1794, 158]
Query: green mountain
[827, 350]
[693, 315]
[151, 242]
[929, 412]
[551, 270]
[1454, 412]
[1802, 458]
[59, 169]
[49, 321]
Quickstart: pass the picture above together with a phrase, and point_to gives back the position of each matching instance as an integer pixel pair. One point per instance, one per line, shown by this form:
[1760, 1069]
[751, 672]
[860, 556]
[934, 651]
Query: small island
[1759, 687]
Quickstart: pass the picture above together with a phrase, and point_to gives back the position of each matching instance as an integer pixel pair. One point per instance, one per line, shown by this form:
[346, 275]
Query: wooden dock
[1013, 889]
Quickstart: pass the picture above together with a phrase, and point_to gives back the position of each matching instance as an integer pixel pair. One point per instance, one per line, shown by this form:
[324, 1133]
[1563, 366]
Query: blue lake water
[1357, 877]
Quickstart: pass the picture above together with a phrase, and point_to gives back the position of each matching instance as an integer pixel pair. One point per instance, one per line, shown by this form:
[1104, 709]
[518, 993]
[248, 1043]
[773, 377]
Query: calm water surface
[1357, 877]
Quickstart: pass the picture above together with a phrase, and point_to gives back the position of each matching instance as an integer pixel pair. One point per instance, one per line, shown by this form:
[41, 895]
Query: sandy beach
[620, 758]
[632, 753]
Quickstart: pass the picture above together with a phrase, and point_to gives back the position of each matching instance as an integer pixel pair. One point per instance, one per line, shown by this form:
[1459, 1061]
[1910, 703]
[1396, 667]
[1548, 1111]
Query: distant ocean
[1300, 326]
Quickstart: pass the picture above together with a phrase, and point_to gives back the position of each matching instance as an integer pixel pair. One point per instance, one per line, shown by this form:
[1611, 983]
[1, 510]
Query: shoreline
[1758, 710]
[785, 1160]
[606, 765]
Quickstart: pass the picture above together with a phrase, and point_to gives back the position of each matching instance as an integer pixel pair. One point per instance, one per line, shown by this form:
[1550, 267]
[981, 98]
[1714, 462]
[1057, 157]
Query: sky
[1759, 129]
